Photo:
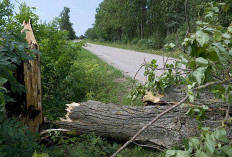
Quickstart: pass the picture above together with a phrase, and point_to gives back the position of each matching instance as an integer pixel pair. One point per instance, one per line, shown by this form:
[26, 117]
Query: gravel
[126, 60]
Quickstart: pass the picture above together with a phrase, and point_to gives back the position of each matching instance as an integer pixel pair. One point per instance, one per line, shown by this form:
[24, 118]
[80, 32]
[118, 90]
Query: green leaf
[189, 112]
[12, 121]
[199, 77]
[210, 146]
[10, 132]
[2, 81]
[202, 62]
[183, 60]
[229, 98]
[202, 38]
[212, 53]
[195, 142]
[201, 154]
[230, 52]
[226, 35]
[23, 127]
[220, 134]
[2, 99]
[180, 153]
[217, 36]
[170, 153]
[2, 116]
[227, 42]
[205, 128]
[220, 46]
[191, 96]
[230, 29]
[172, 45]
[216, 9]
[17, 124]
[227, 150]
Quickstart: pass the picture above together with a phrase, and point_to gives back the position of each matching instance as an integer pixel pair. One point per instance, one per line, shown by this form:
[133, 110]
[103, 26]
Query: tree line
[158, 21]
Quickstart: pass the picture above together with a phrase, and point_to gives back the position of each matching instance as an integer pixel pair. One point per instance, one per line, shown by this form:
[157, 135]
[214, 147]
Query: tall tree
[65, 23]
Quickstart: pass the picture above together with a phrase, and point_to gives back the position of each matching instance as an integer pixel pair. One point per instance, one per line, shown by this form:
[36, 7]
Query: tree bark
[122, 122]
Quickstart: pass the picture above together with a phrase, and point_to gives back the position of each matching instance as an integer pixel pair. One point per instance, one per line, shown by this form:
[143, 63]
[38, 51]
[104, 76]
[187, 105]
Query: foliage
[56, 61]
[207, 144]
[40, 155]
[162, 21]
[90, 146]
[15, 139]
[26, 13]
[6, 11]
[65, 23]
[90, 34]
[208, 61]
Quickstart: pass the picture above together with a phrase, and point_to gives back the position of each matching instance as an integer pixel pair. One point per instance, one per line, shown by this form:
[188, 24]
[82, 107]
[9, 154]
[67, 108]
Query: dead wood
[123, 122]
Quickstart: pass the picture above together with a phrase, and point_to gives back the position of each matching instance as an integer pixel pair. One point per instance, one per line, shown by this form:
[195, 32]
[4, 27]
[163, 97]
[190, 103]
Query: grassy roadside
[174, 54]
[92, 78]
[99, 80]
[89, 78]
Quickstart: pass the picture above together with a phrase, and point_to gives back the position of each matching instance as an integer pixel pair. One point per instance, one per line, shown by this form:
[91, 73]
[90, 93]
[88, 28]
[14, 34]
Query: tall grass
[88, 78]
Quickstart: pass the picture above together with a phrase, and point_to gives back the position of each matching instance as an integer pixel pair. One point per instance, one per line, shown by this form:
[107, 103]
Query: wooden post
[32, 80]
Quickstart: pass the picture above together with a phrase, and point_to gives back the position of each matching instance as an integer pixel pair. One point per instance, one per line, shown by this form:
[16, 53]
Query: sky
[82, 12]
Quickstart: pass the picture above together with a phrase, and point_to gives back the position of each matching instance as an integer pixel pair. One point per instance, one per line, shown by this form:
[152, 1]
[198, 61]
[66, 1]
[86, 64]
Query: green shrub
[134, 41]
[142, 43]
[58, 56]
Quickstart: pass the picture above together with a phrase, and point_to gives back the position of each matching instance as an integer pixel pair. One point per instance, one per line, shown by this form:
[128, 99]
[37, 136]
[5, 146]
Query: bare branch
[142, 145]
[138, 70]
[213, 83]
[52, 130]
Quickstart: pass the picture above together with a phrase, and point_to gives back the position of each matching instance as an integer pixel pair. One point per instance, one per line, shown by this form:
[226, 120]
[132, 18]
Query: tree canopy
[65, 23]
[160, 20]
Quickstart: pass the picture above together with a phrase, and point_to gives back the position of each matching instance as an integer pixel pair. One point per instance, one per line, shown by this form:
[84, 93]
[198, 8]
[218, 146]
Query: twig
[171, 69]
[18, 2]
[51, 130]
[213, 83]
[138, 70]
[142, 145]
[227, 112]
[149, 124]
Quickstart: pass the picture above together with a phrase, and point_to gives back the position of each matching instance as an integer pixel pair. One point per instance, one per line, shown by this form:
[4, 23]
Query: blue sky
[82, 13]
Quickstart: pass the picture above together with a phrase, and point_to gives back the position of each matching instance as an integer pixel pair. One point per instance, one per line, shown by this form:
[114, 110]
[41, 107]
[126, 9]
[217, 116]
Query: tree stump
[27, 107]
[32, 79]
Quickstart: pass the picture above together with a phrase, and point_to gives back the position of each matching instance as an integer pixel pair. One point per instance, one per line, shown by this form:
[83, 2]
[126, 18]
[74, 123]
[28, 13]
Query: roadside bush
[150, 43]
[171, 38]
[134, 41]
[124, 40]
[142, 43]
[58, 56]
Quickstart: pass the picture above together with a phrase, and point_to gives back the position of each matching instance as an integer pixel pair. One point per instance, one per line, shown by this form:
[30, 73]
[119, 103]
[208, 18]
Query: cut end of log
[69, 109]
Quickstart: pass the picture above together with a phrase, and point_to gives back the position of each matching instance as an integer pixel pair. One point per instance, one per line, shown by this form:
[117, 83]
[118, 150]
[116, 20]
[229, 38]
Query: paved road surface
[126, 60]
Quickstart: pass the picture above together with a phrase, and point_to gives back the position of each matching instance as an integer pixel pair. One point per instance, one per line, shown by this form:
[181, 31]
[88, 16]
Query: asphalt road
[126, 60]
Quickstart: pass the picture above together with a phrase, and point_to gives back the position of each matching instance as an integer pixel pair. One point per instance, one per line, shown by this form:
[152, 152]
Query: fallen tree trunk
[122, 122]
